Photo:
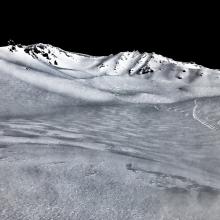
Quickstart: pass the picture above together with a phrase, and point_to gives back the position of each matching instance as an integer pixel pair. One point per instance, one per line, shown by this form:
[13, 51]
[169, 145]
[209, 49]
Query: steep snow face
[129, 77]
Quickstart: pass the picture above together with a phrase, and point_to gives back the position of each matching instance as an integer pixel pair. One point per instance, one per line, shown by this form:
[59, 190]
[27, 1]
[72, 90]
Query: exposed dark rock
[12, 48]
[27, 50]
[45, 55]
[35, 50]
[145, 70]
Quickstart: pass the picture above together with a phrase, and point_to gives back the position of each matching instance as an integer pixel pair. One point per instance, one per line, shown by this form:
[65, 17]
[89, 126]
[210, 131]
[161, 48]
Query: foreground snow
[112, 162]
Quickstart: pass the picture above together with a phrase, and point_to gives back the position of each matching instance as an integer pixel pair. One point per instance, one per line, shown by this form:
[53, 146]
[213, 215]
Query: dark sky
[184, 33]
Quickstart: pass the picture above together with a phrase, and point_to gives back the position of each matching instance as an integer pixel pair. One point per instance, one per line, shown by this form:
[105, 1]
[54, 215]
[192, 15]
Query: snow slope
[129, 77]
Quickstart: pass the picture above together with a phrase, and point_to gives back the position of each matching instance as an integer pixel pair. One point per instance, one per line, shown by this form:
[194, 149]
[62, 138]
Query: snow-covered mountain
[127, 77]
[131, 63]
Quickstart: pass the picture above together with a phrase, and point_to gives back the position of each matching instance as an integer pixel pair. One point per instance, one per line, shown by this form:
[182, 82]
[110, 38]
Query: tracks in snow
[196, 117]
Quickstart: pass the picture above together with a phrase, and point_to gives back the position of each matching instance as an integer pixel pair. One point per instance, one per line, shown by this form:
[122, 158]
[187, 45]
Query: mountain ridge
[126, 77]
[49, 51]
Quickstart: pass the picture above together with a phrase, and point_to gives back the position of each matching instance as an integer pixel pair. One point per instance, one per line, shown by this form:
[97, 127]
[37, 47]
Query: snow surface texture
[154, 161]
[129, 77]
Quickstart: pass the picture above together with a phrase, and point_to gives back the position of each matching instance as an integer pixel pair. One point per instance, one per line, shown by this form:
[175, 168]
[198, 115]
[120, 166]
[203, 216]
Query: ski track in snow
[196, 117]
